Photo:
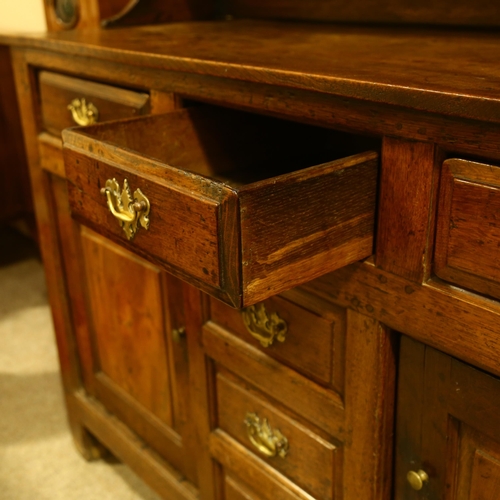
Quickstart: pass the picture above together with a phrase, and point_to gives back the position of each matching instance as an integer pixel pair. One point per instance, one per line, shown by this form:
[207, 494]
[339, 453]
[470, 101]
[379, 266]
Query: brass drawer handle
[130, 211]
[264, 326]
[268, 441]
[84, 113]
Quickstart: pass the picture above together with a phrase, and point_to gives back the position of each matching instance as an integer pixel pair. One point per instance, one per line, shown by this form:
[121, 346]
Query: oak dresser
[272, 247]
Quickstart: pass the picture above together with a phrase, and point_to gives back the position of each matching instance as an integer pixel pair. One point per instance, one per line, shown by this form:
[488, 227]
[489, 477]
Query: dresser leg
[87, 445]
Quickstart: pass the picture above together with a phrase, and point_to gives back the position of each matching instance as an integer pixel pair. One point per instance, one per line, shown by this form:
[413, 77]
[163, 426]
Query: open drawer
[226, 200]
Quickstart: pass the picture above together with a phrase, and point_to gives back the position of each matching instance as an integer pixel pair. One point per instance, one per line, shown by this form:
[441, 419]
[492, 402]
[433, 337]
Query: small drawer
[233, 205]
[263, 487]
[280, 441]
[468, 229]
[61, 101]
[300, 330]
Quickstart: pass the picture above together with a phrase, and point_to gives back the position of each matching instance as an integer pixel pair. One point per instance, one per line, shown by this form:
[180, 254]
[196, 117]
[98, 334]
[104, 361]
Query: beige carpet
[37, 458]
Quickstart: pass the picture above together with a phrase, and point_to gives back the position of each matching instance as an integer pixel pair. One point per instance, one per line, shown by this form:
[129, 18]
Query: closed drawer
[276, 438]
[103, 102]
[468, 230]
[300, 330]
[235, 207]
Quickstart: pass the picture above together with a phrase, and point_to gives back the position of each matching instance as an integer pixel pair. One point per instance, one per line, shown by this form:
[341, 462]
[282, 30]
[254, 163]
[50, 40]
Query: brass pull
[83, 113]
[417, 479]
[268, 441]
[130, 211]
[264, 326]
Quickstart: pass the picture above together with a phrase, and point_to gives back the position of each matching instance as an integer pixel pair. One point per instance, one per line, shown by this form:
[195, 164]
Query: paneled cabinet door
[448, 428]
[128, 321]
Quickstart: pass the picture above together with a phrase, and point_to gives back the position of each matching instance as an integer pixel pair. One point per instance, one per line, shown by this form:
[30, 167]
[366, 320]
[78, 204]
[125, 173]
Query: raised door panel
[125, 295]
[448, 428]
[468, 229]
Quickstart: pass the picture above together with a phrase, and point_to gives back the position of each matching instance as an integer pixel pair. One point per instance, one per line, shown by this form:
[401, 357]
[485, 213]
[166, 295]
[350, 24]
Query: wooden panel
[125, 296]
[317, 404]
[406, 183]
[468, 235]
[15, 190]
[311, 461]
[448, 12]
[369, 383]
[409, 410]
[454, 434]
[58, 91]
[485, 483]
[313, 340]
[325, 235]
[51, 158]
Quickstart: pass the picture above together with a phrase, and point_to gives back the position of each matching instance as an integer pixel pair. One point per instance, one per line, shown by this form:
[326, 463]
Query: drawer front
[285, 444]
[182, 228]
[299, 330]
[263, 486]
[263, 226]
[234, 490]
[468, 230]
[103, 102]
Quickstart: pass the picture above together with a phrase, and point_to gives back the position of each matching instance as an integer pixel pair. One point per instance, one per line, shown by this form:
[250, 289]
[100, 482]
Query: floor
[37, 458]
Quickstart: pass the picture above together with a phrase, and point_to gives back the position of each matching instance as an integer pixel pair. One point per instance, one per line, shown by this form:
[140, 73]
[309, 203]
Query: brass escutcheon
[270, 442]
[264, 326]
[84, 113]
[130, 211]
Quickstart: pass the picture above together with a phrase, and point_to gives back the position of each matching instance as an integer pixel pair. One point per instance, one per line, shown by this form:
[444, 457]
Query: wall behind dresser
[22, 16]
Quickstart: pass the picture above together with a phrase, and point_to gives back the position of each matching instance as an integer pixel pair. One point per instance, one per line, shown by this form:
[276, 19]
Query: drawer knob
[417, 479]
[263, 325]
[84, 113]
[270, 442]
[130, 211]
[178, 334]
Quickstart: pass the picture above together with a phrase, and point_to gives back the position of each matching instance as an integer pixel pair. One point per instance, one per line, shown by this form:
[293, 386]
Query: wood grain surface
[448, 426]
[468, 236]
[58, 91]
[448, 72]
[408, 179]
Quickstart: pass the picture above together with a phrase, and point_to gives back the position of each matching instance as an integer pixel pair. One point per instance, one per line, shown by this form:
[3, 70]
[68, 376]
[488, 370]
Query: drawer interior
[229, 146]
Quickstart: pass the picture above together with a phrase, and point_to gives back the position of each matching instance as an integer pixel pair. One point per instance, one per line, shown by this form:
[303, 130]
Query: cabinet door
[448, 428]
[128, 321]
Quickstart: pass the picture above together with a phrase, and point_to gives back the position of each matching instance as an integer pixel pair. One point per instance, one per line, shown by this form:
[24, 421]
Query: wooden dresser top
[451, 72]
